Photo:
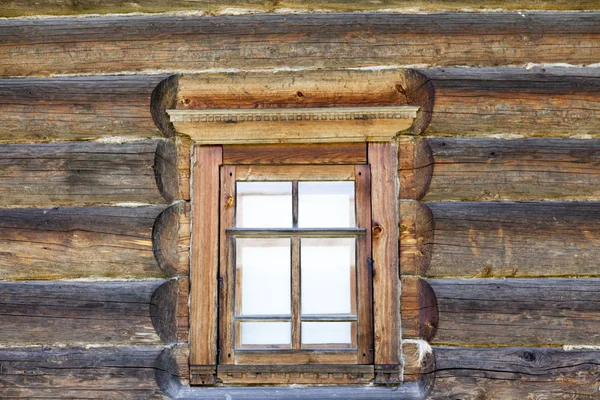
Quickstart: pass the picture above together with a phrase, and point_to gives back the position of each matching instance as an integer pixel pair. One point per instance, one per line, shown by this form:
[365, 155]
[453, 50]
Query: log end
[419, 91]
[164, 97]
[170, 239]
[168, 310]
[419, 364]
[419, 309]
[415, 168]
[171, 369]
[416, 237]
[165, 170]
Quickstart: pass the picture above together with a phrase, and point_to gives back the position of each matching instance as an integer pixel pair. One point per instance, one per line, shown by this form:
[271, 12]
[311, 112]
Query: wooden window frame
[218, 199]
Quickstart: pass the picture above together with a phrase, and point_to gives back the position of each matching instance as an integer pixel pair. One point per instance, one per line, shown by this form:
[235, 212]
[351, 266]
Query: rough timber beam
[337, 40]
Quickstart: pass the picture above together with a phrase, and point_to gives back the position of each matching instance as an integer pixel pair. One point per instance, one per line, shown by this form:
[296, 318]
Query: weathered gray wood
[515, 373]
[77, 372]
[14, 8]
[74, 108]
[112, 242]
[536, 102]
[169, 310]
[116, 44]
[79, 173]
[418, 309]
[495, 169]
[171, 239]
[77, 313]
[517, 312]
[515, 239]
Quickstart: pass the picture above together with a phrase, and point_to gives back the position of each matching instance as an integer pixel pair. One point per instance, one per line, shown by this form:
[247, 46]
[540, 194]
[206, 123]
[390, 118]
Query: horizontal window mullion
[283, 233]
[330, 317]
[266, 317]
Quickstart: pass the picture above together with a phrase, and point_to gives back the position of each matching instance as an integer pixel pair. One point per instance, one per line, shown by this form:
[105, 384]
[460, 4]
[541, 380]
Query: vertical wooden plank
[227, 270]
[205, 250]
[364, 279]
[386, 283]
[296, 292]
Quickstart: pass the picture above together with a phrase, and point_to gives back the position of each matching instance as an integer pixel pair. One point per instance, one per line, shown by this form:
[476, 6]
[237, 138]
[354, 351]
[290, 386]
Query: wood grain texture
[515, 239]
[337, 153]
[295, 89]
[419, 309]
[494, 169]
[415, 167]
[515, 373]
[15, 8]
[173, 370]
[416, 237]
[77, 313]
[171, 239]
[169, 310]
[386, 284]
[125, 372]
[336, 40]
[74, 108]
[94, 242]
[519, 312]
[70, 174]
[205, 255]
[419, 363]
[536, 102]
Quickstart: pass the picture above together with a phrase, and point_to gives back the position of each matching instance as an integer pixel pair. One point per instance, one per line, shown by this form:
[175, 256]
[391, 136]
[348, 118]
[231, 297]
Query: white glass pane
[264, 205]
[326, 205]
[263, 268]
[266, 333]
[326, 332]
[327, 269]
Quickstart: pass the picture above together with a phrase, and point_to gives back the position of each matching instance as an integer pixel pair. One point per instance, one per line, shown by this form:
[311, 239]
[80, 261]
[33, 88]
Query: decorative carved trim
[293, 125]
[203, 375]
[293, 114]
[298, 374]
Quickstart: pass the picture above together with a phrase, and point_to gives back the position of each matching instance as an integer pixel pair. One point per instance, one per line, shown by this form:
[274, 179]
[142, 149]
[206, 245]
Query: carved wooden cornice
[294, 125]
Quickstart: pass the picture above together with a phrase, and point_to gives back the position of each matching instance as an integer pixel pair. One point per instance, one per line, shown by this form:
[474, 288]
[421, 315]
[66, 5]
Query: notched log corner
[419, 365]
[164, 97]
[419, 91]
[420, 315]
[171, 239]
[171, 369]
[416, 237]
[169, 312]
[165, 170]
[415, 167]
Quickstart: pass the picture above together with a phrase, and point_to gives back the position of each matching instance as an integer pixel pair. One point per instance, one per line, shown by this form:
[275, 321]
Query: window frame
[205, 278]
[363, 352]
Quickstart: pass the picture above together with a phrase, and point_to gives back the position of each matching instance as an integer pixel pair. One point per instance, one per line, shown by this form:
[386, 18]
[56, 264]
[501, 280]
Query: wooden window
[285, 240]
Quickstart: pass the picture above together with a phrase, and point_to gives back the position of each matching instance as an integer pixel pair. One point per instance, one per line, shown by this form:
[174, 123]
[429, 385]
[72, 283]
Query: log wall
[499, 177]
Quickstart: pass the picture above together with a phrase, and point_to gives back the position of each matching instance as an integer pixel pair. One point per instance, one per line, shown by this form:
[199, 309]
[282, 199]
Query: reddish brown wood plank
[96, 45]
[386, 285]
[338, 153]
[205, 250]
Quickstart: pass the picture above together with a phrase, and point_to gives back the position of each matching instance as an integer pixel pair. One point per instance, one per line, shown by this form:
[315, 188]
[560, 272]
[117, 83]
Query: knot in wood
[377, 230]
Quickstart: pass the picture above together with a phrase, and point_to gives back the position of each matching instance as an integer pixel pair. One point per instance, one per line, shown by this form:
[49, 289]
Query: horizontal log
[126, 372]
[79, 173]
[111, 242]
[16, 8]
[536, 102]
[517, 311]
[515, 239]
[328, 40]
[515, 373]
[77, 313]
[436, 169]
[75, 108]
[169, 310]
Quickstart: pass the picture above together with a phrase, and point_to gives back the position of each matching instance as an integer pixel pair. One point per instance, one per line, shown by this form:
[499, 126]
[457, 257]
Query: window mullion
[296, 292]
